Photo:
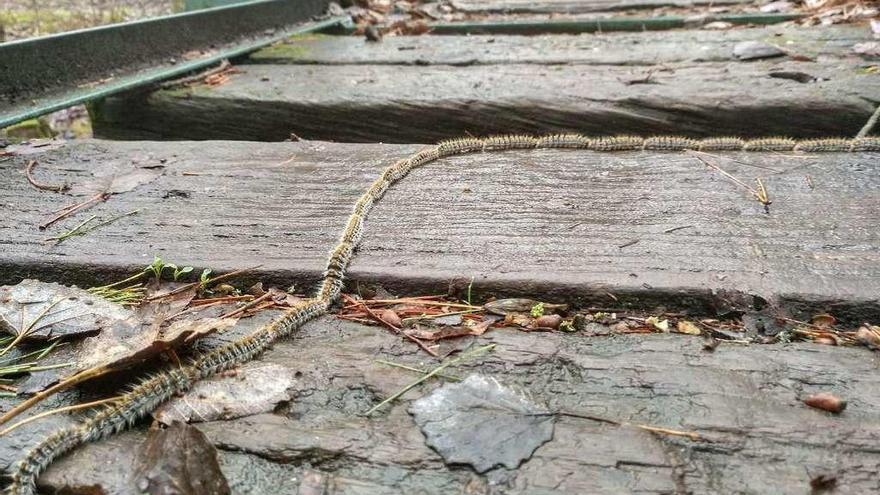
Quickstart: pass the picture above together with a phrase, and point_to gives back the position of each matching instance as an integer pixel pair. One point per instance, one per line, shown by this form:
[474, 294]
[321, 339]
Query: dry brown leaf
[688, 327]
[823, 320]
[116, 183]
[390, 317]
[442, 333]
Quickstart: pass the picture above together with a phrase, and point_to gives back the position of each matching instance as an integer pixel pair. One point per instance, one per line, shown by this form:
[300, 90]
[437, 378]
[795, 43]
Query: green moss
[286, 50]
[29, 129]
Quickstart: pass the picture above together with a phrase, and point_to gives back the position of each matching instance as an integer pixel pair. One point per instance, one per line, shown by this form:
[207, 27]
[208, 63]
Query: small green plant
[205, 278]
[178, 272]
[156, 268]
[538, 310]
[567, 326]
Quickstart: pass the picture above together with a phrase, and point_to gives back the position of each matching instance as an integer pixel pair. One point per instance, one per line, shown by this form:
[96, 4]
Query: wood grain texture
[746, 399]
[576, 6]
[647, 48]
[403, 104]
[562, 224]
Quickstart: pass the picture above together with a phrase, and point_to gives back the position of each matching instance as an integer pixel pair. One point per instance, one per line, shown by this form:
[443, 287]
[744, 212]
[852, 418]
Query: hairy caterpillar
[151, 392]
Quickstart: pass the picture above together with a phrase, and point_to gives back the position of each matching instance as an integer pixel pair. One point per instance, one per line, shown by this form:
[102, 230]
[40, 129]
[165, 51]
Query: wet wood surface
[641, 228]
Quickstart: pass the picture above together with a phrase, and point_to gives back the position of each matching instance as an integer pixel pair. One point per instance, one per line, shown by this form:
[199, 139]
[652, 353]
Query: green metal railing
[49, 73]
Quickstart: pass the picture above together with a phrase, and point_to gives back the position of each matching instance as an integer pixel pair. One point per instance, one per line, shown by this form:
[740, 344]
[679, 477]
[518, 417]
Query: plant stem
[432, 373]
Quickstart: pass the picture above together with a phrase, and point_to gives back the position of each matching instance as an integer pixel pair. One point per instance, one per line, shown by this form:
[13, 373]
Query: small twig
[393, 328]
[84, 228]
[628, 243]
[653, 429]
[25, 331]
[414, 301]
[39, 185]
[186, 81]
[809, 182]
[869, 125]
[65, 384]
[734, 160]
[417, 370]
[223, 299]
[432, 373]
[759, 194]
[186, 287]
[248, 305]
[71, 209]
[673, 229]
[59, 410]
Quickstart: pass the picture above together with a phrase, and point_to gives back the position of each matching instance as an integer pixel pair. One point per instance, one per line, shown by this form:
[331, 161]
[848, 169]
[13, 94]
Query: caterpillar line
[151, 392]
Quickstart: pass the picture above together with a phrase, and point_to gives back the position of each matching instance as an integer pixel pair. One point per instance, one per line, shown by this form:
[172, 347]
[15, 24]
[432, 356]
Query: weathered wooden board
[649, 228]
[745, 399]
[647, 48]
[424, 104]
[576, 6]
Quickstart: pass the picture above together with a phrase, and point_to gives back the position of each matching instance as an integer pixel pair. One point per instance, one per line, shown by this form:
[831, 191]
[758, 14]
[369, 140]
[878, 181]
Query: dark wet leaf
[143, 334]
[482, 423]
[116, 183]
[52, 310]
[256, 388]
[178, 460]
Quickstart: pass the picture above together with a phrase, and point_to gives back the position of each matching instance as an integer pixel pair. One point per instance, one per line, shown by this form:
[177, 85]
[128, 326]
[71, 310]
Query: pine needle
[436, 371]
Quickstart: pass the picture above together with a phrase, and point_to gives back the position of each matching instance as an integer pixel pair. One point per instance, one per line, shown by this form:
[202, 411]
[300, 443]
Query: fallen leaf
[688, 327]
[49, 310]
[390, 317]
[177, 460]
[481, 327]
[140, 335]
[116, 183]
[256, 388]
[188, 330]
[656, 322]
[823, 320]
[482, 423]
[869, 336]
[442, 333]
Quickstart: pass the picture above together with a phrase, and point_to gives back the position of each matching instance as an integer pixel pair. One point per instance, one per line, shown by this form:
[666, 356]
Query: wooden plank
[424, 104]
[744, 399]
[577, 6]
[648, 48]
[649, 228]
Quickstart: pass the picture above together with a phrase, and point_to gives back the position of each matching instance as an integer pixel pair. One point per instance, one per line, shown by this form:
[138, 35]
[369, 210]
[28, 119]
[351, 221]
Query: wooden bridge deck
[422, 89]
[652, 228]
[648, 231]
